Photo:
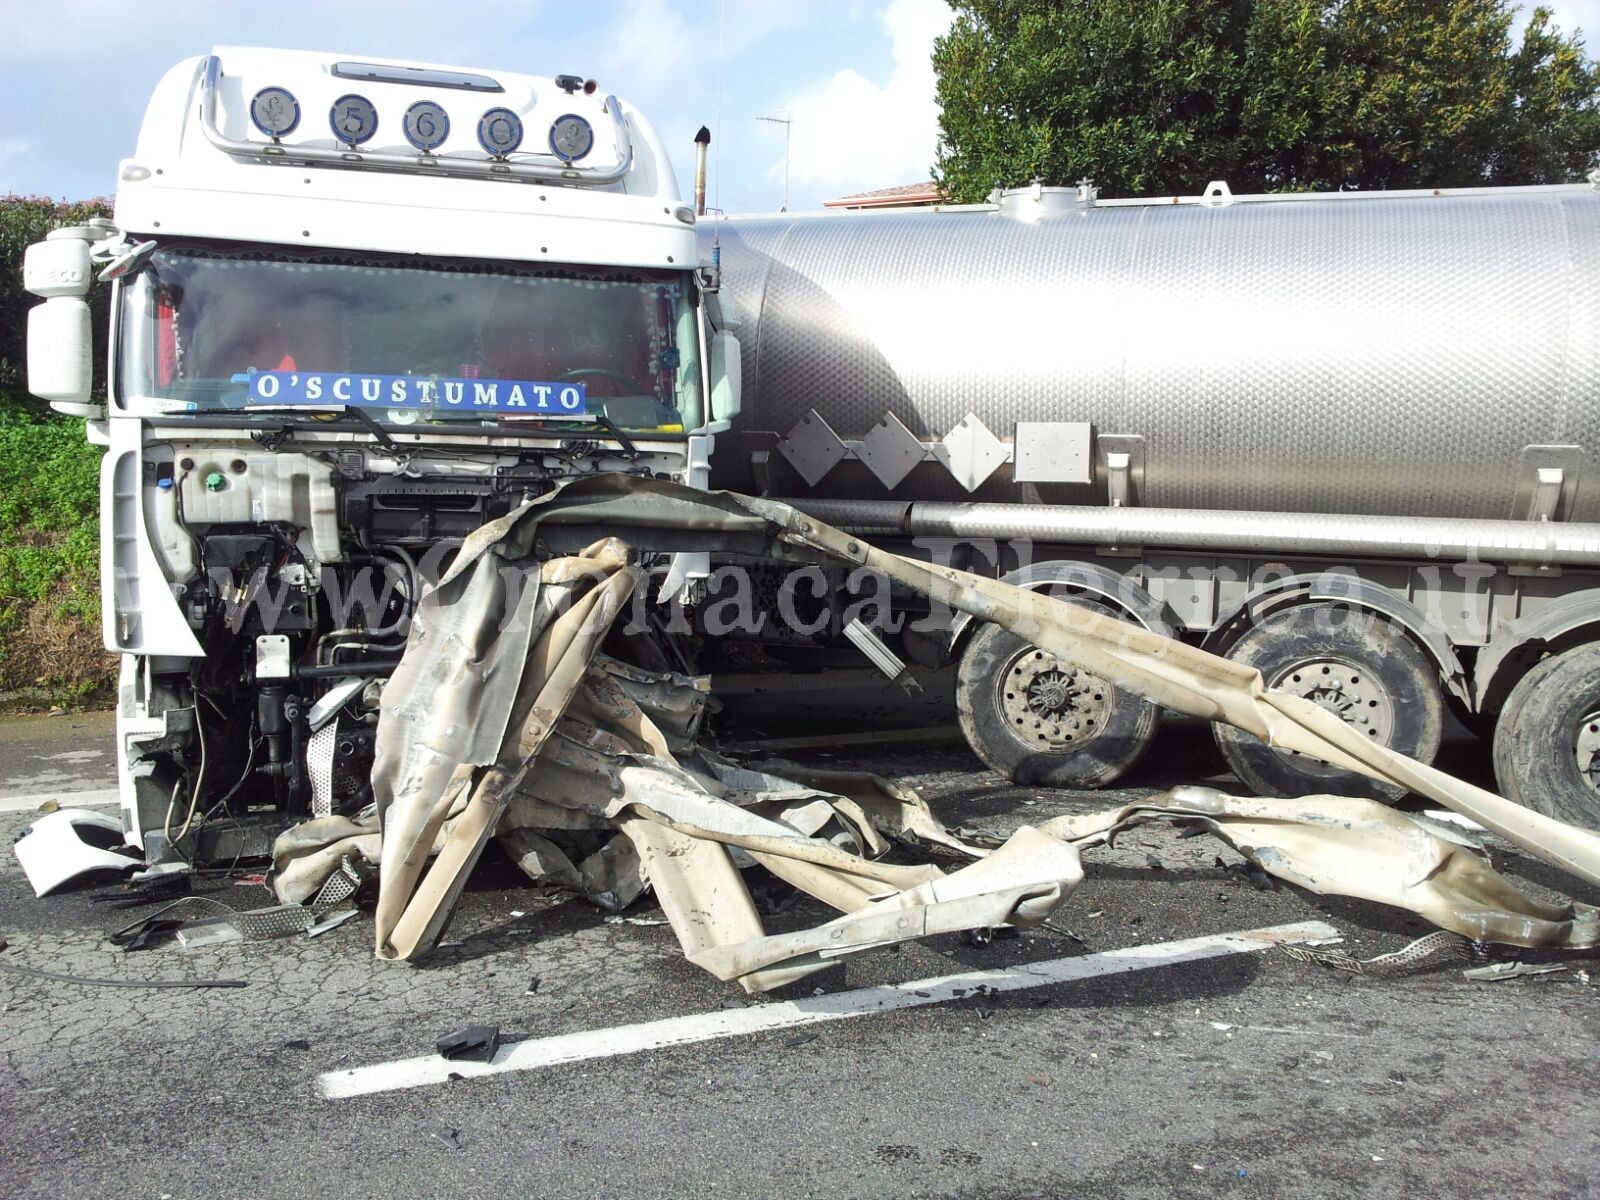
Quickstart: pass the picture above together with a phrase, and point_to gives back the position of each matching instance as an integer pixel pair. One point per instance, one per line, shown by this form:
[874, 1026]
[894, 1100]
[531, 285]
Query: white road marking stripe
[99, 798]
[739, 1022]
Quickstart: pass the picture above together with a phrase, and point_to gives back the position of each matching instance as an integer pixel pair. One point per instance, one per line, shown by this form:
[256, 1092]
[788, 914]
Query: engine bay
[297, 567]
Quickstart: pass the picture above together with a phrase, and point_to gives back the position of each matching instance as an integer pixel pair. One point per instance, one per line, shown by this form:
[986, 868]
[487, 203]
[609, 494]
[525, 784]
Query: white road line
[839, 1006]
[99, 798]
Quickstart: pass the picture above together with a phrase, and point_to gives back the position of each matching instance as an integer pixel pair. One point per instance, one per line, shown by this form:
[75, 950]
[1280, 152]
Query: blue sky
[853, 75]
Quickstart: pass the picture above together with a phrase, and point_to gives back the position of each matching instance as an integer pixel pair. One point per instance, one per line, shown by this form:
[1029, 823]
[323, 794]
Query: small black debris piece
[475, 1043]
[143, 934]
[533, 986]
[1154, 863]
[985, 1013]
[147, 891]
[1258, 878]
[297, 1044]
[799, 1039]
[1248, 871]
[996, 933]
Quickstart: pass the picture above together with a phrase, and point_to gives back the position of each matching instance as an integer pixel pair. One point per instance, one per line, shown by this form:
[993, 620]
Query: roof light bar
[552, 169]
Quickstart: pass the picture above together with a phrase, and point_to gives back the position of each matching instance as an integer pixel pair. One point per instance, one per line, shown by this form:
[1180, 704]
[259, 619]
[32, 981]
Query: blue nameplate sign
[337, 389]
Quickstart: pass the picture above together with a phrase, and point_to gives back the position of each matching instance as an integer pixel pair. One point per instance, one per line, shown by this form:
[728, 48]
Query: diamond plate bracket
[812, 447]
[971, 452]
[890, 451]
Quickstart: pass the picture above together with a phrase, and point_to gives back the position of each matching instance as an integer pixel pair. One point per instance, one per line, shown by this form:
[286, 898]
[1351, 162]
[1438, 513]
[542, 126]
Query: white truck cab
[359, 307]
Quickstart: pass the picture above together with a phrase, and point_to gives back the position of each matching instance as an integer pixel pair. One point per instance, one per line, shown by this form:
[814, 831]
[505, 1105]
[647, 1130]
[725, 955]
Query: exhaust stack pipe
[701, 141]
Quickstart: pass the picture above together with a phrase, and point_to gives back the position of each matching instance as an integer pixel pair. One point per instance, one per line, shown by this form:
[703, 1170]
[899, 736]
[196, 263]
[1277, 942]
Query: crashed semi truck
[360, 309]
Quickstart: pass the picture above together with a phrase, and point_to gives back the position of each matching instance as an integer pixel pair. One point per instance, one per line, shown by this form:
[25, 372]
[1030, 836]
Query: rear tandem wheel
[1037, 720]
[1547, 739]
[1356, 665]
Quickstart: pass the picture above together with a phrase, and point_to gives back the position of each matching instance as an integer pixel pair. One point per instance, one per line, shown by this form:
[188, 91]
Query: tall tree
[1160, 96]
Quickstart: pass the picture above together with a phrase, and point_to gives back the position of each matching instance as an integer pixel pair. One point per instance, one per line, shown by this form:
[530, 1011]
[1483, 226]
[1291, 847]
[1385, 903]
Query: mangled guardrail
[504, 720]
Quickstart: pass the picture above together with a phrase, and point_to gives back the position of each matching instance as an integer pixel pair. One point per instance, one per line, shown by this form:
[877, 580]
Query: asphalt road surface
[1247, 1074]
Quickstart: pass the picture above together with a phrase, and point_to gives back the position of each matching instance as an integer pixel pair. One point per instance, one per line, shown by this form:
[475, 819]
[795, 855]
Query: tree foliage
[23, 221]
[49, 527]
[1160, 96]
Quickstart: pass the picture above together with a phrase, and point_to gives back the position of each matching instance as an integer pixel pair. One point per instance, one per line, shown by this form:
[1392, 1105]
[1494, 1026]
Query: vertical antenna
[786, 122]
[722, 62]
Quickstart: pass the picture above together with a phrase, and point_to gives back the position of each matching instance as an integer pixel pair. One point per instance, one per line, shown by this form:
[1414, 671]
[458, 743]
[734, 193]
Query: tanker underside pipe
[1523, 543]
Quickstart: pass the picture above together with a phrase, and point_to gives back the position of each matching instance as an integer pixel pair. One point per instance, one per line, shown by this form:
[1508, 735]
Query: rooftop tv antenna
[786, 122]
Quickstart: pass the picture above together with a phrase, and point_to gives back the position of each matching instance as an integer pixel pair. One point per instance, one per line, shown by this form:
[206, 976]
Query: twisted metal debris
[503, 719]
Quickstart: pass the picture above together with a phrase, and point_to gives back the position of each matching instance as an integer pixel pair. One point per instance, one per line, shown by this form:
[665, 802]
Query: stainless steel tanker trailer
[1350, 439]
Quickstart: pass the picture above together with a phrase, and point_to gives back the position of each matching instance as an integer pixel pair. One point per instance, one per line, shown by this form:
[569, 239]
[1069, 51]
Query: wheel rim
[1347, 689]
[1051, 706]
[1587, 750]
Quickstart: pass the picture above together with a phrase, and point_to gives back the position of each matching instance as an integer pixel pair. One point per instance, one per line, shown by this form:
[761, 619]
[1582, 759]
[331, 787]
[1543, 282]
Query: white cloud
[653, 42]
[851, 134]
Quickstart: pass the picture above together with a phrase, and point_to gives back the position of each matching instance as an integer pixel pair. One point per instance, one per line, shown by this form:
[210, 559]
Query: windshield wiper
[615, 431]
[378, 431]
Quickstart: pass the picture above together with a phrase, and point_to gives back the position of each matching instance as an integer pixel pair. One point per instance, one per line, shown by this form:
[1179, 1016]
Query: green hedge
[50, 649]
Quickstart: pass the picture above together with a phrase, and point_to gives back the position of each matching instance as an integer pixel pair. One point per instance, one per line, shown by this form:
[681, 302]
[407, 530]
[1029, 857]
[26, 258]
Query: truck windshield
[209, 329]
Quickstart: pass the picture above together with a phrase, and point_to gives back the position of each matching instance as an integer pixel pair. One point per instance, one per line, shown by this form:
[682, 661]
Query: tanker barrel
[1428, 355]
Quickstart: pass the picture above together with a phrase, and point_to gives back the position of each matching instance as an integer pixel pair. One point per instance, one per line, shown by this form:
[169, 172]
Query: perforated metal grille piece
[321, 747]
[279, 920]
[1427, 953]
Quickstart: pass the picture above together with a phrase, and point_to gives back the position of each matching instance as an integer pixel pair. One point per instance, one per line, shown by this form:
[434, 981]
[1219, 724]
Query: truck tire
[1353, 663]
[1038, 722]
[1547, 741]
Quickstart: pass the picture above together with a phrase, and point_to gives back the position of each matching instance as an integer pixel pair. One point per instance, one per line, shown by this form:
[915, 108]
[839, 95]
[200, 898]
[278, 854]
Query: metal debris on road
[1511, 970]
[504, 719]
[1427, 953]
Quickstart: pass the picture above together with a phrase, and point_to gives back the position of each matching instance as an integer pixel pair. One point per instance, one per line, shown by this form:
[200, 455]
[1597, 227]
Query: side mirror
[58, 330]
[58, 356]
[727, 377]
